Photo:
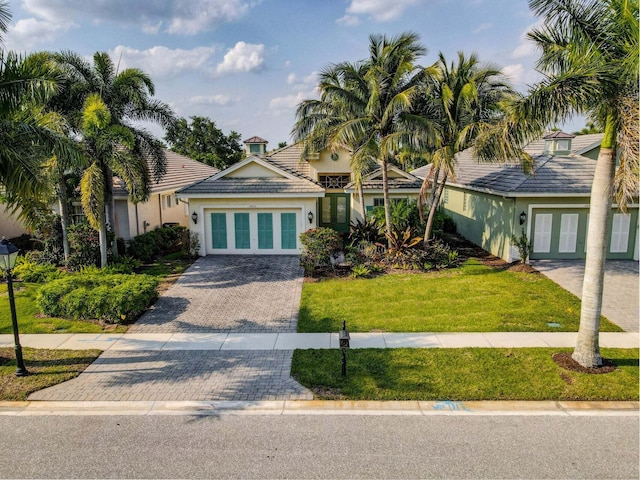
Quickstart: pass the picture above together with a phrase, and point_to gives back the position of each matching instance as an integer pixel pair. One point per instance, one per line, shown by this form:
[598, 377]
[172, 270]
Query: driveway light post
[344, 344]
[8, 255]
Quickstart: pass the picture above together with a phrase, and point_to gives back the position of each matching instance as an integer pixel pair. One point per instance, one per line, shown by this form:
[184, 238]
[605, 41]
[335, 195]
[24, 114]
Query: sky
[246, 64]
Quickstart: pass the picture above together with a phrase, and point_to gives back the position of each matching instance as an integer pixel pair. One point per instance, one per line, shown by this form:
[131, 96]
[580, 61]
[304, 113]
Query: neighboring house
[162, 208]
[490, 202]
[10, 226]
[262, 204]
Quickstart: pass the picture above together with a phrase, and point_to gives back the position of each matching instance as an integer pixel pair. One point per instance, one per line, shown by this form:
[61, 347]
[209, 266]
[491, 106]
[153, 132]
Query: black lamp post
[8, 255]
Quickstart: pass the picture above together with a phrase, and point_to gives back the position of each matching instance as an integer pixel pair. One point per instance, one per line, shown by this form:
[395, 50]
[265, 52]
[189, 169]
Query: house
[491, 202]
[261, 204]
[10, 225]
[162, 208]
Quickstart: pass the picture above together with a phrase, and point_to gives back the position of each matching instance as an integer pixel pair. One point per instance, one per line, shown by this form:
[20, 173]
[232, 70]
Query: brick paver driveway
[621, 289]
[240, 294]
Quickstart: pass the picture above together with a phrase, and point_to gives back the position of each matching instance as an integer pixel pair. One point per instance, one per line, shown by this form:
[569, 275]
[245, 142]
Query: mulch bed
[565, 361]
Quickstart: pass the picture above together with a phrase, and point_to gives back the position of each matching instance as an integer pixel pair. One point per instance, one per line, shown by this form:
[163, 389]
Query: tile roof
[256, 140]
[290, 156]
[181, 171]
[235, 185]
[560, 174]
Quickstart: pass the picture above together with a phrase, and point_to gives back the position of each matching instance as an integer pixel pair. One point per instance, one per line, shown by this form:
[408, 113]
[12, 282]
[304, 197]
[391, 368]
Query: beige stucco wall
[253, 170]
[203, 207]
[10, 226]
[152, 214]
[325, 165]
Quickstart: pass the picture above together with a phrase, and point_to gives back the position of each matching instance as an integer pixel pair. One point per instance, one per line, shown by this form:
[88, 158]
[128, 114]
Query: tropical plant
[524, 246]
[456, 100]
[401, 240]
[134, 155]
[318, 246]
[363, 106]
[589, 61]
[367, 230]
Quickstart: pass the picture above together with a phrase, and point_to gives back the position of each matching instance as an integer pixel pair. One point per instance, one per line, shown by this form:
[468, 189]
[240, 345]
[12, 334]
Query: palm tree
[127, 98]
[458, 100]
[371, 99]
[590, 62]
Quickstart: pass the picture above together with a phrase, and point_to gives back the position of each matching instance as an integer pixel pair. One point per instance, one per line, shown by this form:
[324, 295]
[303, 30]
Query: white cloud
[29, 32]
[348, 21]
[514, 73]
[243, 57]
[525, 46]
[180, 16]
[291, 78]
[152, 29]
[483, 26]
[379, 10]
[161, 61]
[222, 100]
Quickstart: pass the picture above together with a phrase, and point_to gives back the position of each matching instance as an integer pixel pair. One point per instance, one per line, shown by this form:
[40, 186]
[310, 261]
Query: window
[241, 226]
[167, 201]
[465, 202]
[446, 196]
[265, 231]
[219, 230]
[334, 181]
[288, 232]
[378, 202]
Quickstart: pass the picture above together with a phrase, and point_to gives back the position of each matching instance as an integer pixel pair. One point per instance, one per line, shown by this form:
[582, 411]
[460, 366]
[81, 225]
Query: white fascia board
[378, 173]
[251, 195]
[499, 193]
[259, 161]
[379, 190]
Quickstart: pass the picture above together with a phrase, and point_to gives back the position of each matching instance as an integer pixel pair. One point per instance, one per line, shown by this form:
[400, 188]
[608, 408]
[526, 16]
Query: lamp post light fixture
[194, 217]
[344, 339]
[523, 217]
[310, 216]
[8, 255]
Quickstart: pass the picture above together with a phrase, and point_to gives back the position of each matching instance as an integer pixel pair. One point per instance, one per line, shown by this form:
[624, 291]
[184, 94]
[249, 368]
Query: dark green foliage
[204, 142]
[442, 223]
[365, 231]
[84, 245]
[404, 214]
[158, 242]
[111, 298]
[25, 242]
[318, 246]
[48, 232]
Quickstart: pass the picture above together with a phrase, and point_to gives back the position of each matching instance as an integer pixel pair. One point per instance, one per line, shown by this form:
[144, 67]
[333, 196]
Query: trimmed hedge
[158, 242]
[112, 298]
[33, 272]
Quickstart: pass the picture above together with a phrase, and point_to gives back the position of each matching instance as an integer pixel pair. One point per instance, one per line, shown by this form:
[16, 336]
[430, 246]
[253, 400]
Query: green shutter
[219, 230]
[288, 231]
[265, 231]
[243, 237]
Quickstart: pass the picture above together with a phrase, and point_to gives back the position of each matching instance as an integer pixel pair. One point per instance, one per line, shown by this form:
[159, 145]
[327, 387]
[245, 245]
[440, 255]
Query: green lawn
[46, 368]
[167, 269]
[472, 298]
[462, 374]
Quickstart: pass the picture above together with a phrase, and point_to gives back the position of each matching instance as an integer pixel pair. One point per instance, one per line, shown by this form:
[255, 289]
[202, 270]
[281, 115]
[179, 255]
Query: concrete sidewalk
[291, 341]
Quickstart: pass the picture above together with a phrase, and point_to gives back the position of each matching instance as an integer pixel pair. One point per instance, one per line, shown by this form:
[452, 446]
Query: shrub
[25, 242]
[84, 244]
[112, 298]
[360, 271]
[524, 246]
[365, 231]
[48, 232]
[318, 246]
[158, 242]
[404, 214]
[29, 271]
[194, 245]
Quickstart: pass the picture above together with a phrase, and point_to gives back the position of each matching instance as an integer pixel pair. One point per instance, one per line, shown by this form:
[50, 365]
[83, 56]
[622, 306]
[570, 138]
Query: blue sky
[247, 63]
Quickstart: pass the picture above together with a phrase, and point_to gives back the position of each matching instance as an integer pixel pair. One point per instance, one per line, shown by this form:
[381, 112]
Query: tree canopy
[201, 140]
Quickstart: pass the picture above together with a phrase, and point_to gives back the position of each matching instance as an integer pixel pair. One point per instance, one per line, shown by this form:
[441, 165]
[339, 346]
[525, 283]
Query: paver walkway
[621, 287]
[241, 294]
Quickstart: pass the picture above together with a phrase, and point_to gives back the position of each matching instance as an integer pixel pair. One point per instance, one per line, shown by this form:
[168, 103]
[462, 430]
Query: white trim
[253, 159]
[240, 196]
[551, 206]
[379, 190]
[378, 173]
[588, 148]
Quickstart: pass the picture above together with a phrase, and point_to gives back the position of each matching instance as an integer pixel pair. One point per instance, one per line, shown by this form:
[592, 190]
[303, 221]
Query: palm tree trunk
[385, 194]
[587, 351]
[102, 238]
[63, 203]
[111, 206]
[361, 195]
[435, 202]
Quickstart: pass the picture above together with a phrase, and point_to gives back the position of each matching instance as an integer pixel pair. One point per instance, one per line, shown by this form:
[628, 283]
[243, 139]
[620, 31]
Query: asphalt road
[326, 446]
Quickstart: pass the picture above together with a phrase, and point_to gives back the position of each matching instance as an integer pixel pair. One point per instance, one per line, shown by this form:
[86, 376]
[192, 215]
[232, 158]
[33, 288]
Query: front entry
[334, 211]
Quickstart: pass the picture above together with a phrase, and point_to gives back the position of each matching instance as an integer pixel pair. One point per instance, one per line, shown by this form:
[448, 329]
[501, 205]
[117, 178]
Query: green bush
[111, 298]
[84, 244]
[318, 244]
[158, 242]
[404, 214]
[29, 271]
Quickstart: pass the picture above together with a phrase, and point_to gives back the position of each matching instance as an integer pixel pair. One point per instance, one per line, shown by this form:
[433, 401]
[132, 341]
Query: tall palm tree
[127, 95]
[458, 100]
[590, 62]
[373, 103]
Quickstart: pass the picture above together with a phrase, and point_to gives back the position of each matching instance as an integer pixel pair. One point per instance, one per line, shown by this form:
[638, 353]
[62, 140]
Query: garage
[253, 231]
[561, 233]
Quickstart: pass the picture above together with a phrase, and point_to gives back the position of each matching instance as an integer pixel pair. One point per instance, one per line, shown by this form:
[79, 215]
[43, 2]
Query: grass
[462, 374]
[46, 368]
[472, 298]
[167, 269]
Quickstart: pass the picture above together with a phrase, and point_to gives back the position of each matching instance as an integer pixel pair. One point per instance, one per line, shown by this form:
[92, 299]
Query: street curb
[322, 407]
